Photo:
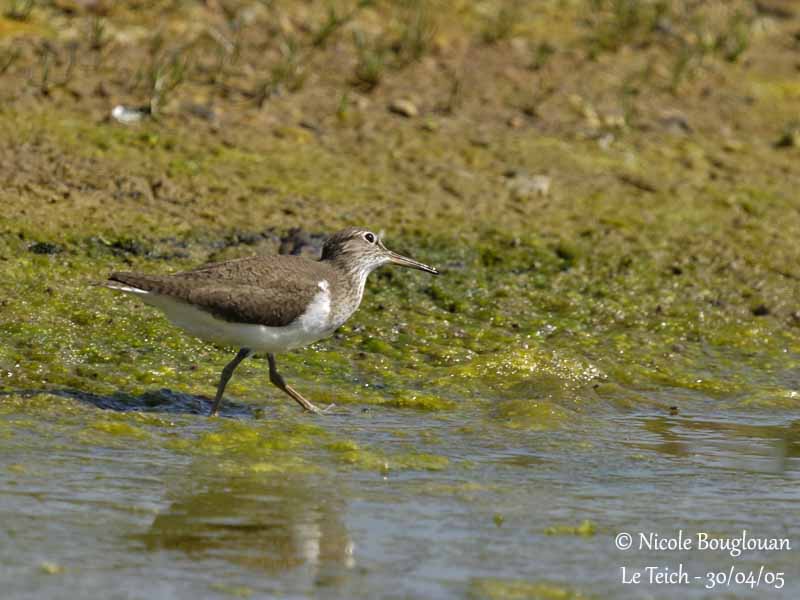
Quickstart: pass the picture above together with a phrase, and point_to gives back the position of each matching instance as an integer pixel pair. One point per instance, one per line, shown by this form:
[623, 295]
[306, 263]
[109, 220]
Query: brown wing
[271, 291]
[276, 306]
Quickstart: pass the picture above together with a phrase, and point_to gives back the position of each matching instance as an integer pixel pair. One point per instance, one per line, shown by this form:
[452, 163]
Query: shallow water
[266, 502]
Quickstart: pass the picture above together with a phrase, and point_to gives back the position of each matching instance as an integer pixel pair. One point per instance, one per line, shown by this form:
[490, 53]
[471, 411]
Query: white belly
[313, 325]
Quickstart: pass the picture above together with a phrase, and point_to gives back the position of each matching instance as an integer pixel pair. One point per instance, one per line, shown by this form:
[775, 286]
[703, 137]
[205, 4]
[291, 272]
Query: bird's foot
[319, 411]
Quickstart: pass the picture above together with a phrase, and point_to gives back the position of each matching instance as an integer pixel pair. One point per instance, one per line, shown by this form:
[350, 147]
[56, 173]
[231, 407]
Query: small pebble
[404, 108]
[128, 116]
[526, 187]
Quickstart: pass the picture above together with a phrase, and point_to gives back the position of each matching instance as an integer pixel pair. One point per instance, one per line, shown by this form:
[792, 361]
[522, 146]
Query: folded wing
[257, 291]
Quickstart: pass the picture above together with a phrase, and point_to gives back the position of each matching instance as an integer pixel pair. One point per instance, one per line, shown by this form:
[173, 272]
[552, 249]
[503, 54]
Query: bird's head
[362, 250]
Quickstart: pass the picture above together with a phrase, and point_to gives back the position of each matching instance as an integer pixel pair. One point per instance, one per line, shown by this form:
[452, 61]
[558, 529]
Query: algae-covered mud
[610, 191]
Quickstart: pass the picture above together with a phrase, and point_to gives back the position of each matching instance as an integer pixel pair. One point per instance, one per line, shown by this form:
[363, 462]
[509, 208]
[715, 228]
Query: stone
[129, 116]
[526, 187]
[404, 107]
[675, 122]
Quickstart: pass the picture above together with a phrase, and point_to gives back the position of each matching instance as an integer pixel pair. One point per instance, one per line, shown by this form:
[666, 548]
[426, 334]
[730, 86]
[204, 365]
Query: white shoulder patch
[315, 317]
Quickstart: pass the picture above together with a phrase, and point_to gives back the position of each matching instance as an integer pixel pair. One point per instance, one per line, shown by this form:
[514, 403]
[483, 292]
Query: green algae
[420, 401]
[585, 529]
[28, 410]
[420, 461]
[639, 353]
[239, 448]
[114, 429]
[769, 398]
[50, 568]
[531, 414]
[350, 453]
[245, 440]
[466, 490]
[505, 589]
[237, 591]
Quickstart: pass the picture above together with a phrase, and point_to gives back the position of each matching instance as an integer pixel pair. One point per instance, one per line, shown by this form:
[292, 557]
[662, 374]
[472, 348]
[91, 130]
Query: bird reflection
[270, 523]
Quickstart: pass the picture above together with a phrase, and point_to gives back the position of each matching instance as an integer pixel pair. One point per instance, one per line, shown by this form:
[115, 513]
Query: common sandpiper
[268, 304]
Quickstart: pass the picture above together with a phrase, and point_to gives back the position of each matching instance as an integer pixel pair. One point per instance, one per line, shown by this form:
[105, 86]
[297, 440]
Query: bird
[268, 304]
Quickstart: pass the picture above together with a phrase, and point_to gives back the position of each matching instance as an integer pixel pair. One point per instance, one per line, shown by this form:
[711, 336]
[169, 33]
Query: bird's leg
[225, 377]
[278, 381]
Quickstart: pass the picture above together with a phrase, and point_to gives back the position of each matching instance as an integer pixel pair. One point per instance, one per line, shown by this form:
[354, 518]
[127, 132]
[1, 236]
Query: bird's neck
[353, 277]
[355, 274]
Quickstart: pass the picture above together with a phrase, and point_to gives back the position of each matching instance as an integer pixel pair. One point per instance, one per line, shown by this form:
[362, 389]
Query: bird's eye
[370, 237]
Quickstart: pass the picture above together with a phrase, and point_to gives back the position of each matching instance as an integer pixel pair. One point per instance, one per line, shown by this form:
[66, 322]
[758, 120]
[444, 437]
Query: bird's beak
[404, 261]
